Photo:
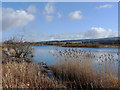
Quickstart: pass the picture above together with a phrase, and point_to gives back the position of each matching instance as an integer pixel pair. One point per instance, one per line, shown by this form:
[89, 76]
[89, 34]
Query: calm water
[45, 53]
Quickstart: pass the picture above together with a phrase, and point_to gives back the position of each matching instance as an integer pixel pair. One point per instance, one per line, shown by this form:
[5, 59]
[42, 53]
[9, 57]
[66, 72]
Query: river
[45, 53]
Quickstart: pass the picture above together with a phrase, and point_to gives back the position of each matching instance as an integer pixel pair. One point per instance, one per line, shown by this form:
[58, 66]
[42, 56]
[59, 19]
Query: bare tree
[19, 47]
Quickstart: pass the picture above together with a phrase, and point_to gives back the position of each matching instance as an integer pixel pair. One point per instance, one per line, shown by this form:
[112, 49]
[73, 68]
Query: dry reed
[25, 75]
[82, 69]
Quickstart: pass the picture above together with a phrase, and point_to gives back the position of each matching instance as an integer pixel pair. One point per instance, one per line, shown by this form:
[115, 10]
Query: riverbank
[75, 69]
[23, 73]
[72, 45]
[91, 46]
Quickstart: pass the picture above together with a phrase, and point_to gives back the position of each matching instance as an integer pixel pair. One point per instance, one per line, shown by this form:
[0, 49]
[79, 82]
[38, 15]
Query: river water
[45, 53]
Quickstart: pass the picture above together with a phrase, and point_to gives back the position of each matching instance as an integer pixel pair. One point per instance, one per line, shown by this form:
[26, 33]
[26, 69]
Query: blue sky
[60, 21]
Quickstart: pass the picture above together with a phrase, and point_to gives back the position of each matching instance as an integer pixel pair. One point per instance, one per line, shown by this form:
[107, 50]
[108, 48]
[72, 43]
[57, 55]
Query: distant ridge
[110, 38]
[98, 39]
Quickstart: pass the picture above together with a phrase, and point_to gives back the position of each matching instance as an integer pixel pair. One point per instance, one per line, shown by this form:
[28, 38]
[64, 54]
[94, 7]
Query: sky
[42, 21]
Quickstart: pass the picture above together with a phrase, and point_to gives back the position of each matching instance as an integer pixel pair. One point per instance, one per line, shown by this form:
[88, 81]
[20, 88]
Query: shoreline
[75, 46]
[102, 46]
[51, 74]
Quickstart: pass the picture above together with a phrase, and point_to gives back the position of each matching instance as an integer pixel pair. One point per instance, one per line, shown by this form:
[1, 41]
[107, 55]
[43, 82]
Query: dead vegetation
[25, 75]
[74, 69]
[77, 69]
[18, 70]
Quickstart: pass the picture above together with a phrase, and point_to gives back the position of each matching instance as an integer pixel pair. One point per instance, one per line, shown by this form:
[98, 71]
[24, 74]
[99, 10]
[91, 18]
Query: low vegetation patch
[18, 70]
[74, 69]
[25, 75]
[82, 69]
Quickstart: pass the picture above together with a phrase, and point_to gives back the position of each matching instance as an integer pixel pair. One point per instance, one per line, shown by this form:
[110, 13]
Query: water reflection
[46, 53]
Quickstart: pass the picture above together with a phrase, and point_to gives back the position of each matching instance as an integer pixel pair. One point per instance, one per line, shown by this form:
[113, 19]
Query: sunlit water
[45, 53]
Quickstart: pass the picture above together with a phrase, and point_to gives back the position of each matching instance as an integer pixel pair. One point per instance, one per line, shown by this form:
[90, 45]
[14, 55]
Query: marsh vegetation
[77, 69]
[74, 68]
[18, 70]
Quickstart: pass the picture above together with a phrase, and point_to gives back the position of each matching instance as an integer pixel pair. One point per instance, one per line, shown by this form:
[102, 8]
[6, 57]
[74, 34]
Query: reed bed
[25, 75]
[82, 69]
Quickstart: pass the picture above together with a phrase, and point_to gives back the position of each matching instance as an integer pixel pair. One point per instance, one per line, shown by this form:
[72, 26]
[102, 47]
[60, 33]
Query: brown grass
[25, 75]
[77, 69]
[89, 45]
[74, 69]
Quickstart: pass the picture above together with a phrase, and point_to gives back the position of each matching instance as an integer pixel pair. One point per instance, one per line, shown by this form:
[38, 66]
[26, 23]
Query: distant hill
[99, 39]
[112, 42]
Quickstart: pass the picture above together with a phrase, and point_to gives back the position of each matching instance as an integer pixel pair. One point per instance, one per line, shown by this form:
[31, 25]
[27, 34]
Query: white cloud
[104, 6]
[61, 36]
[93, 33]
[59, 15]
[15, 18]
[75, 15]
[96, 32]
[32, 9]
[49, 8]
[48, 18]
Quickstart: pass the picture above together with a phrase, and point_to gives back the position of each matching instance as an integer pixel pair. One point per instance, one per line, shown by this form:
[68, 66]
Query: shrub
[18, 48]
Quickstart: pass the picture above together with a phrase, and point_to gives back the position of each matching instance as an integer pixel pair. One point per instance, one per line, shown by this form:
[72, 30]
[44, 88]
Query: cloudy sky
[59, 21]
